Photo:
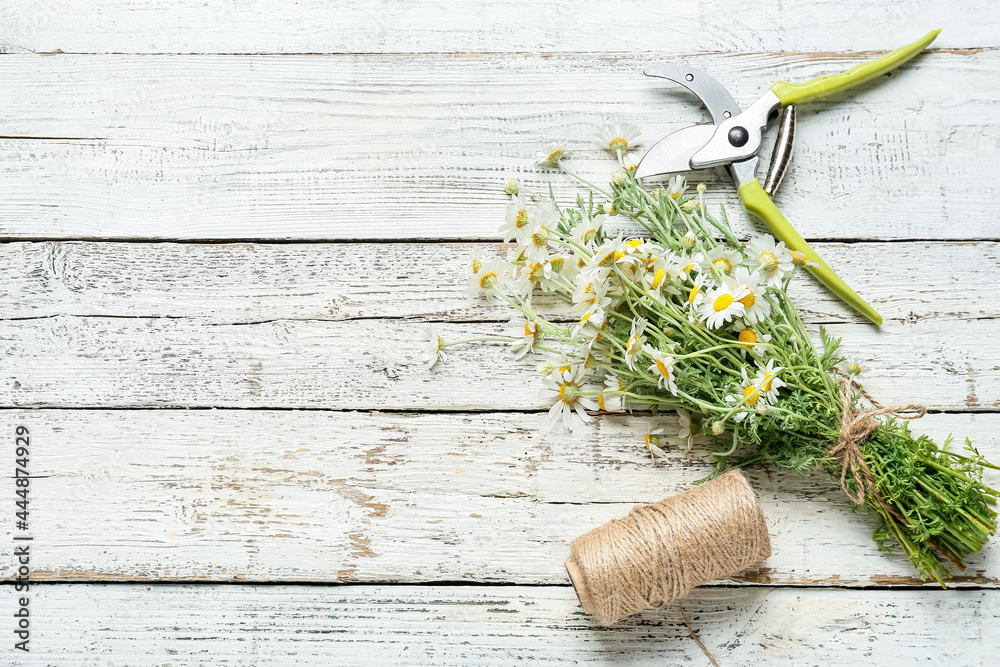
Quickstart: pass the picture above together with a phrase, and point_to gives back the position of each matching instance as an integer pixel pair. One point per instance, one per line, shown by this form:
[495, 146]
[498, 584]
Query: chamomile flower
[722, 304]
[771, 260]
[750, 339]
[750, 395]
[676, 187]
[619, 138]
[653, 440]
[755, 306]
[566, 388]
[433, 348]
[629, 163]
[854, 369]
[768, 382]
[695, 297]
[687, 429]
[658, 277]
[536, 236]
[801, 259]
[611, 399]
[687, 266]
[517, 217]
[551, 155]
[529, 334]
[721, 261]
[556, 363]
[594, 316]
[588, 232]
[662, 369]
[486, 277]
[635, 343]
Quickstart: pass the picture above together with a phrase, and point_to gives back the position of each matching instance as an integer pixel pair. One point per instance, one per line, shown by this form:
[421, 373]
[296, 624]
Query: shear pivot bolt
[738, 136]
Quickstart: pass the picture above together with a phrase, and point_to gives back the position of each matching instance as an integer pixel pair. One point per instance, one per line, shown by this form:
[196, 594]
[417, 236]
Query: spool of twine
[659, 552]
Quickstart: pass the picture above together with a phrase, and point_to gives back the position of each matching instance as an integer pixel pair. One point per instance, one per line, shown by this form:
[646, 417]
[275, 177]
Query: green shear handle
[756, 201]
[823, 86]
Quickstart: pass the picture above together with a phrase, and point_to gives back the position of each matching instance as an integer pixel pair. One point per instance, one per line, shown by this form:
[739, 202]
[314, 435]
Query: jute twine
[659, 552]
[855, 427]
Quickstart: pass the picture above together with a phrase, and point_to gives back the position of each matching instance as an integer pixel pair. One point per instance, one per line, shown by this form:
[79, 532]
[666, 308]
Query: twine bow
[855, 426]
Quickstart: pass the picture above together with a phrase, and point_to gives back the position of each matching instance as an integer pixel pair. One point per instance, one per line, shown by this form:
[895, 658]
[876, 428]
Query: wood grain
[355, 26]
[290, 496]
[246, 625]
[257, 282]
[418, 146]
[70, 361]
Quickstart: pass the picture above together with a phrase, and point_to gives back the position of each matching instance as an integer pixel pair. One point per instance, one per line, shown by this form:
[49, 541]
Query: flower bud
[545, 368]
[619, 178]
[701, 188]
[512, 187]
[718, 427]
[688, 241]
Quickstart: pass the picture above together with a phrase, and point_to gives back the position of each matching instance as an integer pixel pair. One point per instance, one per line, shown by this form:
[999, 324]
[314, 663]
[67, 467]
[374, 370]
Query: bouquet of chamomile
[685, 316]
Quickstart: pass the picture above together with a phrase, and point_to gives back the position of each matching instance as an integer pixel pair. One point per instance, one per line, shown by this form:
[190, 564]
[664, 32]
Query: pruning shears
[734, 138]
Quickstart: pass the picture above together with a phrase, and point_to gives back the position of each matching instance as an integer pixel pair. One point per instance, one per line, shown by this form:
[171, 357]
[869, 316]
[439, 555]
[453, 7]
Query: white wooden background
[225, 223]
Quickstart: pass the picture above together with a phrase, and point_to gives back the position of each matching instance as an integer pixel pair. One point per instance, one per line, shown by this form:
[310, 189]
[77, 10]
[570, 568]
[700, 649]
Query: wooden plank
[418, 147]
[236, 495]
[310, 26]
[242, 283]
[69, 361]
[75, 624]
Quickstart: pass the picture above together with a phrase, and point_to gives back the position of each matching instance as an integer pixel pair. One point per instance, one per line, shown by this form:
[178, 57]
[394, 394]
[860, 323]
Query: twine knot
[855, 426]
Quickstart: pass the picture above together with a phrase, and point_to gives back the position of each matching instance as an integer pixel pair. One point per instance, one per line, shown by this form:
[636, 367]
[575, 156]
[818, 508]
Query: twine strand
[855, 426]
[695, 636]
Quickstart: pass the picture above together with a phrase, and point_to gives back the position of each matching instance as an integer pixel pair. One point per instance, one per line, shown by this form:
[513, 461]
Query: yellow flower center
[522, 218]
[748, 300]
[768, 379]
[569, 392]
[618, 255]
[618, 144]
[600, 402]
[488, 281]
[689, 268]
[634, 243]
[540, 238]
[662, 367]
[563, 369]
[555, 156]
[751, 395]
[633, 344]
[722, 302]
[529, 329]
[748, 337]
[723, 265]
[589, 235]
[693, 294]
[658, 277]
[768, 261]
[557, 264]
[799, 258]
[675, 195]
[477, 265]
